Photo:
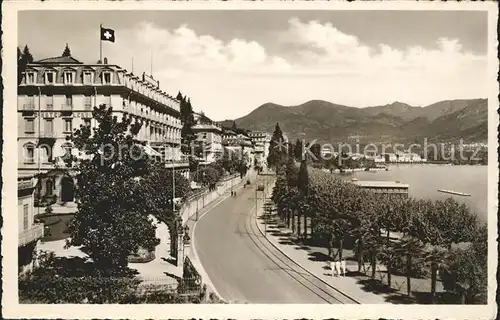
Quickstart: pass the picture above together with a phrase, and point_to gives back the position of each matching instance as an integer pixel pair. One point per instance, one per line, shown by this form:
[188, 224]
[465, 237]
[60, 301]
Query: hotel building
[209, 135]
[57, 95]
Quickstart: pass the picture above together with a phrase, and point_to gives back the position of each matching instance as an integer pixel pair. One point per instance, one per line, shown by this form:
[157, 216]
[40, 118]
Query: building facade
[29, 232]
[385, 187]
[209, 137]
[261, 141]
[57, 95]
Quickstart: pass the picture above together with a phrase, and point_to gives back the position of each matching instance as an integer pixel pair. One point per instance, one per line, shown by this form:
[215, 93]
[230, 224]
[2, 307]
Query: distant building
[261, 141]
[209, 134]
[29, 232]
[385, 187]
[57, 95]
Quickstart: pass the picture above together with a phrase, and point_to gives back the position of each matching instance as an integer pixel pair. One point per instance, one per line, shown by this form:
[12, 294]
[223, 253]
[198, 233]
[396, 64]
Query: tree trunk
[374, 263]
[305, 227]
[330, 245]
[462, 297]
[299, 218]
[433, 279]
[341, 248]
[293, 220]
[389, 273]
[360, 254]
[408, 277]
[387, 237]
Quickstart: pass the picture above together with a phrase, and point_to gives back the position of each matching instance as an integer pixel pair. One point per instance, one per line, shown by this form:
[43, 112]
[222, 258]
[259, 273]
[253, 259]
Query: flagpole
[100, 43]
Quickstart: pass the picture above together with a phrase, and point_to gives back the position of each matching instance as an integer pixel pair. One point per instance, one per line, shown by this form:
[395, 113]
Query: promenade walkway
[314, 262]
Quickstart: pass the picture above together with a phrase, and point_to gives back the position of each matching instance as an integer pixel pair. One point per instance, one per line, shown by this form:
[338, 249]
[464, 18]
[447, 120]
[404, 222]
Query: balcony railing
[67, 107]
[28, 107]
[29, 235]
[47, 134]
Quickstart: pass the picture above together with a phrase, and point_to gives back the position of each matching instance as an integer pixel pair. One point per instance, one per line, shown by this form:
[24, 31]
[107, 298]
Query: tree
[114, 200]
[28, 58]
[277, 153]
[412, 249]
[298, 152]
[187, 133]
[303, 186]
[23, 59]
[67, 51]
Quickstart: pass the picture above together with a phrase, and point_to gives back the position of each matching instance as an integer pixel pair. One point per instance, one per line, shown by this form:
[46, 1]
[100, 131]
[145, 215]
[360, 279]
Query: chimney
[105, 60]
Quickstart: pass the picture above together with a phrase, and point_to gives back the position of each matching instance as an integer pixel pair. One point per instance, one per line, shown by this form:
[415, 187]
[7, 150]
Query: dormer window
[68, 77]
[106, 78]
[87, 77]
[49, 78]
[30, 78]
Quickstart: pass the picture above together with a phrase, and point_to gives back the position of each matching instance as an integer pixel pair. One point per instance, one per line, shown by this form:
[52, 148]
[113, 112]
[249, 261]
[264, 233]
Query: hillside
[329, 122]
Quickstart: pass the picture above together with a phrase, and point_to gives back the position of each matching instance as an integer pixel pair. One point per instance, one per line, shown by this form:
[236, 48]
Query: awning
[151, 152]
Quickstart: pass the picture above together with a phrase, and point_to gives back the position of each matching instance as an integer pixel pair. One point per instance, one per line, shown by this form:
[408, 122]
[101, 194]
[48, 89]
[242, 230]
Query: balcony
[47, 134]
[67, 107]
[29, 235]
[29, 107]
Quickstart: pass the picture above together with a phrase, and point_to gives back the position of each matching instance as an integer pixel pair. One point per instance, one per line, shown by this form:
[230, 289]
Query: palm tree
[387, 256]
[411, 248]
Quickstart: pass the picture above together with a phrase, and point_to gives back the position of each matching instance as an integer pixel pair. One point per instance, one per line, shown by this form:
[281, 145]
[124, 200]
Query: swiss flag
[107, 34]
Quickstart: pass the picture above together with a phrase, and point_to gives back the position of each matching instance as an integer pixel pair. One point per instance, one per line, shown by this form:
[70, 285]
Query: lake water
[425, 180]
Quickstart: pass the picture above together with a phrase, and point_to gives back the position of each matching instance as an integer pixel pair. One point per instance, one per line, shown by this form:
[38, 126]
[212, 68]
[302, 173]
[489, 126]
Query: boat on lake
[463, 194]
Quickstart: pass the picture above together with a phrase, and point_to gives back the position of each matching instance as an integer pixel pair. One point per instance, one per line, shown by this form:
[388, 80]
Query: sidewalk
[315, 262]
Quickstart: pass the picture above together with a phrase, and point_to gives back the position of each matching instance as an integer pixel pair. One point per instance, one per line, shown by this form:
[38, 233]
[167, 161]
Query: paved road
[242, 266]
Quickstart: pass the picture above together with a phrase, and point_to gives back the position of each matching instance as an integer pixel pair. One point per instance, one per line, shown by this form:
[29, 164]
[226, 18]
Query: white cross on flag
[107, 34]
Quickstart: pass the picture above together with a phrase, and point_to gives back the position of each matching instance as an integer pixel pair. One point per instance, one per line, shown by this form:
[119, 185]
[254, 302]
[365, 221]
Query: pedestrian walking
[343, 265]
[337, 267]
[332, 266]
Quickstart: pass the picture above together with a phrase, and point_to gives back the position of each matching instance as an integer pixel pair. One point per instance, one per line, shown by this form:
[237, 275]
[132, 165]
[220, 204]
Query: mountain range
[448, 120]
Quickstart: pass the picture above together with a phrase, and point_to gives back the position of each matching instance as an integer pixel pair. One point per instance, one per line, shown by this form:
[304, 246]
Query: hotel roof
[67, 60]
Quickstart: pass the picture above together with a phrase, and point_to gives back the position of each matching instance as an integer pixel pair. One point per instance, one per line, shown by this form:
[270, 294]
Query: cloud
[309, 60]
[204, 53]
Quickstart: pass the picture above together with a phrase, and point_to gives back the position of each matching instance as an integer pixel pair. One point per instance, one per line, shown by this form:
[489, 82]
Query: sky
[230, 62]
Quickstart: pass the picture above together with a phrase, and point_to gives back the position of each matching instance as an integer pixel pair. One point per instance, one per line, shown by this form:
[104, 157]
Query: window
[68, 77]
[26, 216]
[47, 154]
[30, 153]
[87, 77]
[49, 126]
[29, 126]
[87, 102]
[49, 186]
[49, 78]
[49, 102]
[69, 100]
[68, 125]
[30, 78]
[67, 150]
[106, 78]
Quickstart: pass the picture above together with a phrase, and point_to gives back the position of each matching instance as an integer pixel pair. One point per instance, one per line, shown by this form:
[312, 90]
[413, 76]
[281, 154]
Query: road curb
[300, 265]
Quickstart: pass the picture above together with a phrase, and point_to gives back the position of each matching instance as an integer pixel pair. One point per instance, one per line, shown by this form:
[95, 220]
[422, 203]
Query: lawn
[56, 226]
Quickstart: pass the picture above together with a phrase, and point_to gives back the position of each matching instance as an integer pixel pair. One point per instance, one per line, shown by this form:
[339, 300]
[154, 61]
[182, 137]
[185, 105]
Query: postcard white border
[10, 305]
